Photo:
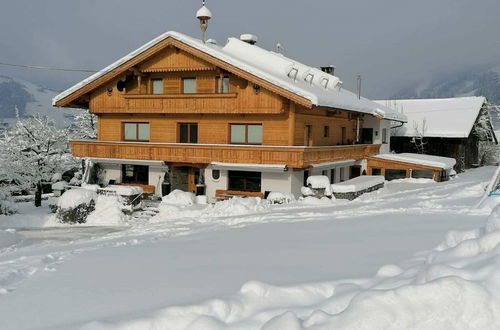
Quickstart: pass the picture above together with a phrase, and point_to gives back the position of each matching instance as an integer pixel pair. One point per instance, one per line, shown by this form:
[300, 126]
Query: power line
[38, 67]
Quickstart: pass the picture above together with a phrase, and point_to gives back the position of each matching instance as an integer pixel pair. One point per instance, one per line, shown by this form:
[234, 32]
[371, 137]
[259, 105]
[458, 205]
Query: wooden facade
[150, 89]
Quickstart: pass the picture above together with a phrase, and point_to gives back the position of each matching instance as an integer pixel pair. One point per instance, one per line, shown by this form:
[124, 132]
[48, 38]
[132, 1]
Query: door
[308, 135]
[367, 136]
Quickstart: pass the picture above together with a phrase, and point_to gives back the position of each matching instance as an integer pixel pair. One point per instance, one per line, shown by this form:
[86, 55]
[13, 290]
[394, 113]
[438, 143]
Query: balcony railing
[292, 156]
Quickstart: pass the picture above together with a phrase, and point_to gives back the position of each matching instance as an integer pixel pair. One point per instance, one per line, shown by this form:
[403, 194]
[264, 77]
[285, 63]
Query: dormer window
[189, 85]
[324, 82]
[293, 73]
[309, 78]
[157, 86]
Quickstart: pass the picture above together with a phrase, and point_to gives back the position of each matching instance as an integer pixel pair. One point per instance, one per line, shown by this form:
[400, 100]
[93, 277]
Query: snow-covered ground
[375, 262]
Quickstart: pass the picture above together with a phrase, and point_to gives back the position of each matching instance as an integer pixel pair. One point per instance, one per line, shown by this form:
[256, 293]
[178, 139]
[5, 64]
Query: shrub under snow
[276, 197]
[75, 205]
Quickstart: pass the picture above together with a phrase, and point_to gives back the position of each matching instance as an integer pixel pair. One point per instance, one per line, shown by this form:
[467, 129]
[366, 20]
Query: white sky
[390, 42]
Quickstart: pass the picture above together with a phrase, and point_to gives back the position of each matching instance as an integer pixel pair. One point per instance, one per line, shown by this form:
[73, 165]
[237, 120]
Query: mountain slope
[29, 99]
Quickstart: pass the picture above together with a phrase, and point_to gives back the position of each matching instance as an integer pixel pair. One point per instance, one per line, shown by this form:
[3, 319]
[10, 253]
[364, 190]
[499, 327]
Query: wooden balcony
[292, 156]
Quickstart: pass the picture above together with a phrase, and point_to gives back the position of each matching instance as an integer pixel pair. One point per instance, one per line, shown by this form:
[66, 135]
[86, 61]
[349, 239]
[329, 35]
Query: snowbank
[74, 197]
[454, 286]
[276, 197]
[108, 212]
[358, 184]
[179, 197]
[124, 190]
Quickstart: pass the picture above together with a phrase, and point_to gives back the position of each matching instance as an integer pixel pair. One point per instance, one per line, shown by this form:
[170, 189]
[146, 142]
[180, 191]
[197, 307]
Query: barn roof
[311, 84]
[447, 117]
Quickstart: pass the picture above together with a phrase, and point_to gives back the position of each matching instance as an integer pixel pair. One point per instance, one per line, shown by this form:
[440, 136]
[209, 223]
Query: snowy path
[78, 275]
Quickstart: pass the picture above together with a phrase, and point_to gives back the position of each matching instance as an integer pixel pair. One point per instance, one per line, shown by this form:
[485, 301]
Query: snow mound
[310, 200]
[74, 197]
[276, 197]
[108, 212]
[124, 190]
[320, 182]
[179, 197]
[237, 206]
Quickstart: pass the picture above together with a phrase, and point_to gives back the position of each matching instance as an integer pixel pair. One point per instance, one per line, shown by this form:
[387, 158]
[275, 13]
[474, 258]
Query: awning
[322, 166]
[248, 167]
[127, 161]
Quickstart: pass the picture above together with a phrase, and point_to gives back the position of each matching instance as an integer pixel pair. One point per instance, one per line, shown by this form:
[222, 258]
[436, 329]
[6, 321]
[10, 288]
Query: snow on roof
[425, 160]
[357, 184]
[320, 88]
[451, 117]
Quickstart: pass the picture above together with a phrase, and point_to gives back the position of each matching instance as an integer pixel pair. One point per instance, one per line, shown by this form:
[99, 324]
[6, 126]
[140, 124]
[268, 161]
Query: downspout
[357, 129]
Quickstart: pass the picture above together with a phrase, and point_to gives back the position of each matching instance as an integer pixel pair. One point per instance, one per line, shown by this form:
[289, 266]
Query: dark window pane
[183, 137]
[391, 174]
[193, 133]
[244, 181]
[418, 174]
[376, 171]
[135, 174]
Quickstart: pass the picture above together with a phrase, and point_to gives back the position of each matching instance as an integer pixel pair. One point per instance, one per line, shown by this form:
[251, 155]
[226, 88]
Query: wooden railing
[293, 157]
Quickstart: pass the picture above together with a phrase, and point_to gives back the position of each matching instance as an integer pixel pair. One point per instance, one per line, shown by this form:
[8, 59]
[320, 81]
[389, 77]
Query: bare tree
[418, 139]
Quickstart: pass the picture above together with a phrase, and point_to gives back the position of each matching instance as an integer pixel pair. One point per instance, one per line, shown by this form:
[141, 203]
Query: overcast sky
[390, 42]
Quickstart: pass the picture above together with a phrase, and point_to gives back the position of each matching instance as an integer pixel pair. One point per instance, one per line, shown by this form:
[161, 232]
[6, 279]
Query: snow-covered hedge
[358, 184]
[179, 197]
[75, 205]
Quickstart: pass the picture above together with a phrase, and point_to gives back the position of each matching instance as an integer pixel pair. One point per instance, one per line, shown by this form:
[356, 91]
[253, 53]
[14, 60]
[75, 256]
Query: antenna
[358, 77]
[203, 15]
[279, 48]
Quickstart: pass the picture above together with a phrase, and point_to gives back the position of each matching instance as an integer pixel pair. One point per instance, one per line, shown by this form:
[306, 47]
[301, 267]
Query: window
[326, 131]
[222, 85]
[376, 171]
[135, 174]
[384, 135]
[246, 133]
[421, 174]
[332, 175]
[157, 86]
[367, 136]
[188, 133]
[391, 174]
[244, 181]
[136, 131]
[216, 174]
[189, 85]
[324, 172]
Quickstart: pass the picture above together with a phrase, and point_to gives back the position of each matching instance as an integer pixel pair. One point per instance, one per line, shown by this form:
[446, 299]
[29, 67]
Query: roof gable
[286, 77]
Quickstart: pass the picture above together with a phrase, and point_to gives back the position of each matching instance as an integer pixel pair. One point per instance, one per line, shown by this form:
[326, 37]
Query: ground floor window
[376, 171]
[332, 175]
[135, 174]
[342, 174]
[419, 174]
[391, 174]
[244, 181]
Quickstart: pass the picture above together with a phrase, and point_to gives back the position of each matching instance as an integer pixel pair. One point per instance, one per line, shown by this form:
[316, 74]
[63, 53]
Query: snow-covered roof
[418, 159]
[449, 117]
[320, 88]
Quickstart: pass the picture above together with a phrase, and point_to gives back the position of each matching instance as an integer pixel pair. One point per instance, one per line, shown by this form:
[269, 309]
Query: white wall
[378, 126]
[276, 181]
[213, 185]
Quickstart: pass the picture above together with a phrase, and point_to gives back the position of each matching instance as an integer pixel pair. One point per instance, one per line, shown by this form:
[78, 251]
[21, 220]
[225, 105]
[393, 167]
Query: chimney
[328, 69]
[358, 77]
[249, 38]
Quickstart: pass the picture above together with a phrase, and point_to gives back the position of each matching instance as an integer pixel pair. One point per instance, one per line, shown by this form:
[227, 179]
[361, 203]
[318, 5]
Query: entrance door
[308, 135]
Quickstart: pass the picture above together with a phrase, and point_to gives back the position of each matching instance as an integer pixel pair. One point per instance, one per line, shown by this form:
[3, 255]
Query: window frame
[189, 125]
[246, 133]
[184, 86]
[136, 123]
[219, 85]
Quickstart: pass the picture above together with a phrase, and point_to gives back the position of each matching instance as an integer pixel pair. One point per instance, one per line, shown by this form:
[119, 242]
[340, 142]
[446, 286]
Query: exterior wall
[317, 119]
[378, 125]
[272, 181]
[212, 129]
[113, 171]
[213, 185]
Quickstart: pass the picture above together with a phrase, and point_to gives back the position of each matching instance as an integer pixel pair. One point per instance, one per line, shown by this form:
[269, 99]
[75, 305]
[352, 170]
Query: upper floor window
[326, 131]
[222, 85]
[136, 131]
[246, 133]
[189, 85]
[384, 135]
[157, 86]
[188, 133]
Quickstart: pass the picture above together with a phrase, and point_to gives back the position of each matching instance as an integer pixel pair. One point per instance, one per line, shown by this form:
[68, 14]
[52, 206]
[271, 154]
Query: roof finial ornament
[204, 15]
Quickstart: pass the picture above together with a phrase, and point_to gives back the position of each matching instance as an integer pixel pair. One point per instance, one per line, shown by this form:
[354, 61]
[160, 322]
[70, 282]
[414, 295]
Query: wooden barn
[179, 113]
[449, 127]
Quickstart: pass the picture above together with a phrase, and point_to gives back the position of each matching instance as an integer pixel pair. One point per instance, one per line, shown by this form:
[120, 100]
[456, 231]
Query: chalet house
[449, 127]
[178, 113]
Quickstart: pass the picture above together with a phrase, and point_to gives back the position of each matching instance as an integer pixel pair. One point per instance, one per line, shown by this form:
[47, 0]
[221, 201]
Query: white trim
[325, 166]
[127, 161]
[248, 167]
